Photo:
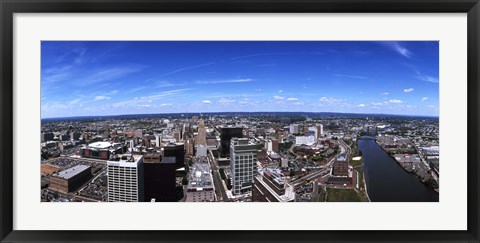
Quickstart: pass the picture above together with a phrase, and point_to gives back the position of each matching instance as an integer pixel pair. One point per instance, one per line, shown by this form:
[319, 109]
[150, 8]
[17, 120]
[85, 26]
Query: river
[387, 181]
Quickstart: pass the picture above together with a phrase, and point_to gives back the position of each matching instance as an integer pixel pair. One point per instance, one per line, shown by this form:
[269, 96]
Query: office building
[189, 147]
[202, 136]
[294, 128]
[159, 178]
[138, 133]
[320, 129]
[272, 145]
[315, 130]
[200, 182]
[75, 135]
[227, 133]
[243, 163]
[176, 150]
[340, 166]
[125, 178]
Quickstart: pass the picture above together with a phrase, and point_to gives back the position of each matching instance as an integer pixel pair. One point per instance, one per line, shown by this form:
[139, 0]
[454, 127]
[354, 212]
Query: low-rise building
[70, 179]
[200, 183]
[101, 150]
[271, 186]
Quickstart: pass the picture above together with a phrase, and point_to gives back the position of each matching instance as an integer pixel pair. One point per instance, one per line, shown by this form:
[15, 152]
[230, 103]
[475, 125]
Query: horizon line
[94, 116]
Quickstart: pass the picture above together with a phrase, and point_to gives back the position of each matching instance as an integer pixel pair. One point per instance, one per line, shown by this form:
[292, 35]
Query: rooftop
[100, 145]
[126, 160]
[71, 172]
[200, 176]
[168, 160]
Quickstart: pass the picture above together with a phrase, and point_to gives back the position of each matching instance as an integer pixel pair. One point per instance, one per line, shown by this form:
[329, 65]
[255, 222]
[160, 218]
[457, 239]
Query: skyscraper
[294, 128]
[159, 176]
[201, 137]
[176, 150]
[227, 133]
[243, 163]
[125, 179]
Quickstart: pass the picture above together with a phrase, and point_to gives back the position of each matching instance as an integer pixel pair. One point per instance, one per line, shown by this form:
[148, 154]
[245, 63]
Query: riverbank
[427, 182]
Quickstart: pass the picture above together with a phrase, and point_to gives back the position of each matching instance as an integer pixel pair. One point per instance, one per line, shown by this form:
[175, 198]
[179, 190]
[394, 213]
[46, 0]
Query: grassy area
[342, 195]
[356, 163]
[361, 186]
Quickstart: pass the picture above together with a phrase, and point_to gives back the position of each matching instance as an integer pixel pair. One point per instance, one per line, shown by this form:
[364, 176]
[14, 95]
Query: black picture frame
[9, 7]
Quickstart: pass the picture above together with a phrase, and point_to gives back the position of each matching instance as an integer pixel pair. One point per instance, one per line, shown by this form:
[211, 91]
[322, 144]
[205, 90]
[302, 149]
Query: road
[310, 176]
[217, 181]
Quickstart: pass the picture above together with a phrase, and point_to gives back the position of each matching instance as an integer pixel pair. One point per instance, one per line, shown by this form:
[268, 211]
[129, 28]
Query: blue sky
[85, 78]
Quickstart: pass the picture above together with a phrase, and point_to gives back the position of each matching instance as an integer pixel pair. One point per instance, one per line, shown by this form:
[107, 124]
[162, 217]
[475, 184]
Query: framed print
[246, 121]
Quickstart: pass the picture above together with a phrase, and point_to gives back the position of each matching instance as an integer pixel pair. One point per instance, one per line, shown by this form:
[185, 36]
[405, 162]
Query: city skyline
[115, 78]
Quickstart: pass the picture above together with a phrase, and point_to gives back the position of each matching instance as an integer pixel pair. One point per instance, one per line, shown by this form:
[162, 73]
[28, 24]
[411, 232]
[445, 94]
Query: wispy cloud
[149, 98]
[395, 101]
[108, 74]
[276, 53]
[186, 69]
[292, 99]
[111, 92]
[385, 93]
[277, 97]
[206, 102]
[397, 47]
[331, 100]
[163, 84]
[361, 105]
[349, 76]
[426, 78]
[245, 80]
[424, 99]
[101, 97]
[225, 101]
[408, 90]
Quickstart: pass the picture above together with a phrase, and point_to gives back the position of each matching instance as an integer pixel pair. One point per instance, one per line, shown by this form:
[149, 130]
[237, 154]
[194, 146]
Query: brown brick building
[70, 179]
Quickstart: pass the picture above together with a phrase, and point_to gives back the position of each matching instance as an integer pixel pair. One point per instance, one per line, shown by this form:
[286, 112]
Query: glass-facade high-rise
[243, 164]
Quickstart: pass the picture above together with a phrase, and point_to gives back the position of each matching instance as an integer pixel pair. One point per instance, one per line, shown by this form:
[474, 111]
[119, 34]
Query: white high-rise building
[316, 130]
[294, 128]
[307, 140]
[125, 179]
[157, 140]
[243, 164]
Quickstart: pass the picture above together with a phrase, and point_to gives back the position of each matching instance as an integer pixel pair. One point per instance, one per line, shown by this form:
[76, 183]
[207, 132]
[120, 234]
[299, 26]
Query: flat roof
[168, 160]
[126, 160]
[200, 176]
[100, 145]
[71, 172]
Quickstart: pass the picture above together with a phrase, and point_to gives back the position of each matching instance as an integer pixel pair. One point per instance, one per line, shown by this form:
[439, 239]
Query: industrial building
[70, 179]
